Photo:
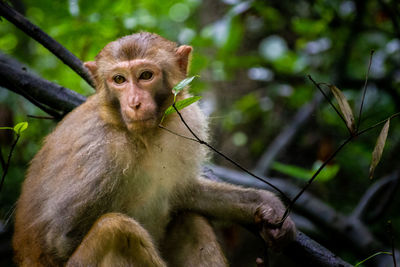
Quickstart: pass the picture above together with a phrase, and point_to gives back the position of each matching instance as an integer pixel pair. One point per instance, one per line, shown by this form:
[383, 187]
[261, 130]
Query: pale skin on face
[135, 84]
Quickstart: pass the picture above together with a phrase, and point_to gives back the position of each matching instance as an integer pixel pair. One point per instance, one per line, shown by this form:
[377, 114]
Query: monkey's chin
[138, 126]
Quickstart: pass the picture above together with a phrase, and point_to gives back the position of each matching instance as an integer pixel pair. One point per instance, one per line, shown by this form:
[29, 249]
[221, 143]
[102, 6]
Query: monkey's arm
[245, 206]
[228, 202]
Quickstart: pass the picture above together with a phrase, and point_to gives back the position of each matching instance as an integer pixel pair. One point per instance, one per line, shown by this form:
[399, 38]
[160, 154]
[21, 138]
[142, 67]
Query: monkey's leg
[116, 240]
[190, 242]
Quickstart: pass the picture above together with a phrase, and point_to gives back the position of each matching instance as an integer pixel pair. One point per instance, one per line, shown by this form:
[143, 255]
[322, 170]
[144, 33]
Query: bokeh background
[253, 58]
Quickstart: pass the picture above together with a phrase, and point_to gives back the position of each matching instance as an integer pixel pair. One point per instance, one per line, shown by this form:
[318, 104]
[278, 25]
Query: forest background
[253, 58]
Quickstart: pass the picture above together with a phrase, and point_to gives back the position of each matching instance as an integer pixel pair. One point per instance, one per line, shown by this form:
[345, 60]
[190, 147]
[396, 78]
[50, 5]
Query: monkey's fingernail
[267, 211]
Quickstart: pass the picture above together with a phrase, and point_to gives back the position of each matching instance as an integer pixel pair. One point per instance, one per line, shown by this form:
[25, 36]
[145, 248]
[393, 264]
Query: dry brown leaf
[344, 108]
[378, 150]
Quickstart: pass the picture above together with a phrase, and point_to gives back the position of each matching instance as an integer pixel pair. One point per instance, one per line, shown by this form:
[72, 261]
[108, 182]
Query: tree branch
[46, 109]
[14, 77]
[377, 198]
[306, 250]
[52, 45]
[347, 229]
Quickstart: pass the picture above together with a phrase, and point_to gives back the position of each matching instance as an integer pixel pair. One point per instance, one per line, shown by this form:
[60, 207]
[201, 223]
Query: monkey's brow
[128, 64]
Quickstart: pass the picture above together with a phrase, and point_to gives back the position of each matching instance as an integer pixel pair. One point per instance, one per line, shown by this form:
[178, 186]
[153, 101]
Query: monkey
[111, 188]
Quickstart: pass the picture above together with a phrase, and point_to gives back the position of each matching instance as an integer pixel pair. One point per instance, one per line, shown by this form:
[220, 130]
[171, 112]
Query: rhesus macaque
[110, 188]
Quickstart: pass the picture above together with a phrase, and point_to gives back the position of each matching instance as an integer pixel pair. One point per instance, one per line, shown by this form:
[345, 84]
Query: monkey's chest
[149, 189]
[146, 198]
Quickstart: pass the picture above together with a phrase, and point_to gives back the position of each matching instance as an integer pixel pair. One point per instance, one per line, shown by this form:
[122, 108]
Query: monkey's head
[135, 75]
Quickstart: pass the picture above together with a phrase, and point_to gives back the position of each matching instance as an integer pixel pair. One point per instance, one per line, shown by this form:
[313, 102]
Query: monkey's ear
[92, 67]
[183, 53]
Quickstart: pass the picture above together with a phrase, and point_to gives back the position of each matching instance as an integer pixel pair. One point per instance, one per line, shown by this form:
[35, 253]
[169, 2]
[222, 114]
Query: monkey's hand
[267, 219]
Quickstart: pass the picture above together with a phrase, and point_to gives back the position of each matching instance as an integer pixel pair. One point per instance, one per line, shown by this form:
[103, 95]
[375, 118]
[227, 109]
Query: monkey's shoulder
[81, 139]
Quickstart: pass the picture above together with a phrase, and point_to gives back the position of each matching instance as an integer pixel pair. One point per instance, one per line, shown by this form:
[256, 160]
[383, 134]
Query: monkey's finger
[283, 236]
[266, 216]
[269, 236]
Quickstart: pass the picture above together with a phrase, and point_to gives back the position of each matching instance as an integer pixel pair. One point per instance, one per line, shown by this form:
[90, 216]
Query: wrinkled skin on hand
[275, 237]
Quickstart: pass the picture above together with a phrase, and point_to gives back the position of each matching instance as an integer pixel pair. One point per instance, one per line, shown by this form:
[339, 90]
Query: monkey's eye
[146, 75]
[119, 79]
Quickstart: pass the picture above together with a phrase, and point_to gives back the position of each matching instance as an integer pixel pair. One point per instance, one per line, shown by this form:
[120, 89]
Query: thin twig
[350, 138]
[187, 126]
[392, 242]
[172, 132]
[365, 90]
[286, 198]
[377, 124]
[291, 204]
[2, 161]
[330, 102]
[8, 161]
[310, 181]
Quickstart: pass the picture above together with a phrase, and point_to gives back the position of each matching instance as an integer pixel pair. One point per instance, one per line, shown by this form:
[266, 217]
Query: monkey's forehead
[135, 63]
[140, 45]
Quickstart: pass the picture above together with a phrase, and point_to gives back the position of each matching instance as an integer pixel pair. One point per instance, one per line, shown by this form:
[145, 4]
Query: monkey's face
[139, 88]
[135, 75]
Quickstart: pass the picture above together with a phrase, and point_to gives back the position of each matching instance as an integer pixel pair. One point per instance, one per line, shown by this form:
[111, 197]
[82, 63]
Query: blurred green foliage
[252, 58]
[327, 173]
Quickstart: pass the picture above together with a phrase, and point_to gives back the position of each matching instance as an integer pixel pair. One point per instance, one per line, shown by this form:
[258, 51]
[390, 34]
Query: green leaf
[180, 105]
[291, 170]
[372, 256]
[378, 150]
[326, 174]
[20, 127]
[182, 84]
[6, 128]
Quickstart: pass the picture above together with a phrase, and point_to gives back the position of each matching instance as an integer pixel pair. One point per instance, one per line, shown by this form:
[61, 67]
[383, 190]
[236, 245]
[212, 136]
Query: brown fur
[107, 183]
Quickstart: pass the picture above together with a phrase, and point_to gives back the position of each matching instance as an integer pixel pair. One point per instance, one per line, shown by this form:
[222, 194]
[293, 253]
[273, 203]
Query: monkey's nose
[134, 105]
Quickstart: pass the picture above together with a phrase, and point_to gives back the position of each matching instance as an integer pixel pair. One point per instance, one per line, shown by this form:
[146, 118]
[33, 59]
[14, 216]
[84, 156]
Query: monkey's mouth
[142, 120]
[141, 124]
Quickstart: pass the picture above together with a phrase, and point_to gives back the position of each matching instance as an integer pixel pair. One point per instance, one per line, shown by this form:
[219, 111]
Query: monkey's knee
[190, 241]
[116, 240]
